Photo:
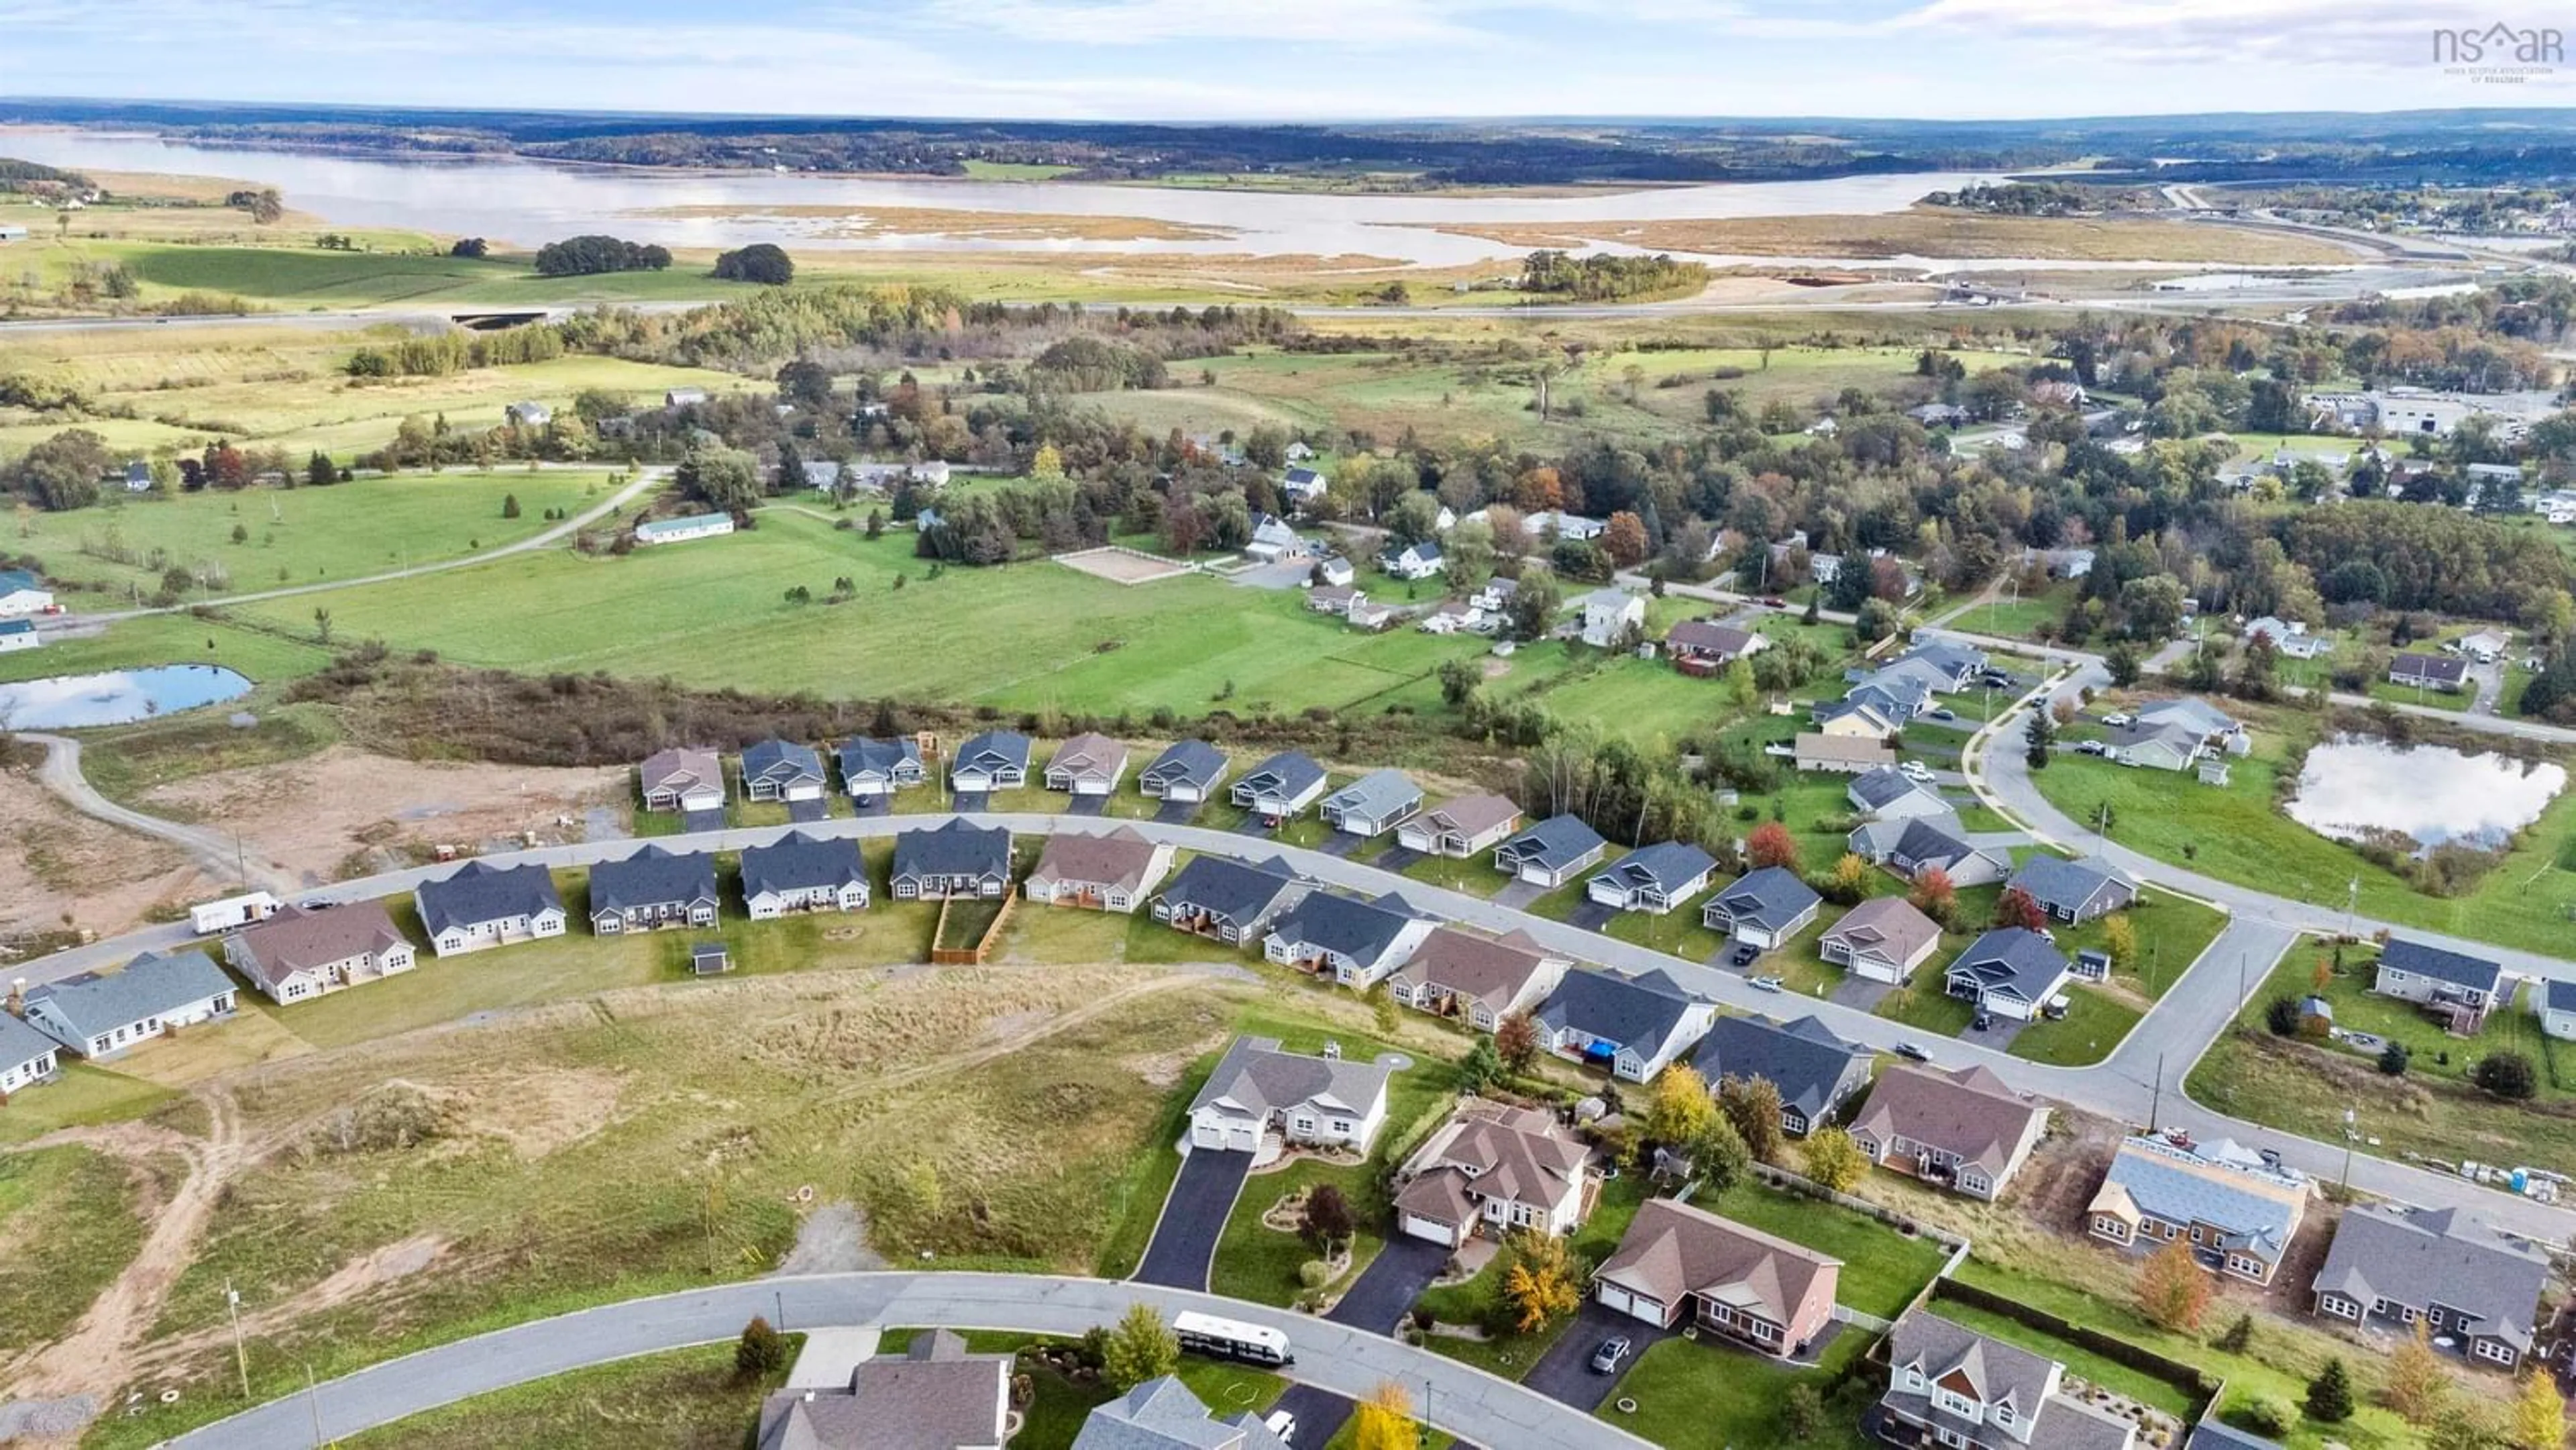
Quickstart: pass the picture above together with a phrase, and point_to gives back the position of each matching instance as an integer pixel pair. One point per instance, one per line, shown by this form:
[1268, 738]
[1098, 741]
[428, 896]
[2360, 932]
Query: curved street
[1466, 1402]
[218, 854]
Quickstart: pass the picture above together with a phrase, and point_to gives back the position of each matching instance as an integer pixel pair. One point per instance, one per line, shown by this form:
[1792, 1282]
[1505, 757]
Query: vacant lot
[71, 1217]
[686, 1399]
[61, 871]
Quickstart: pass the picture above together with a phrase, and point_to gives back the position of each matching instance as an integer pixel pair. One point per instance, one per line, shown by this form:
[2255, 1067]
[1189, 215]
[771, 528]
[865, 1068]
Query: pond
[2353, 787]
[118, 697]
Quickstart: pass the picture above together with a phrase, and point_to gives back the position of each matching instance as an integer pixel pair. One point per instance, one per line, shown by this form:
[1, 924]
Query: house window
[1342, 1126]
[2003, 1414]
[1306, 1126]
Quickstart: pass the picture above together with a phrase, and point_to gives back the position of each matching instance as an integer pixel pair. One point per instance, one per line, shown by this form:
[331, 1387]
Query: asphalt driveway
[1177, 813]
[1564, 1374]
[1387, 1288]
[1590, 915]
[1999, 1034]
[1088, 805]
[807, 812]
[1320, 1414]
[969, 801]
[1395, 858]
[695, 821]
[1184, 1242]
[1518, 894]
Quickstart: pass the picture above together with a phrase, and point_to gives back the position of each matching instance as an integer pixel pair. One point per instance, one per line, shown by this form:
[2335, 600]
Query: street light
[2350, 1135]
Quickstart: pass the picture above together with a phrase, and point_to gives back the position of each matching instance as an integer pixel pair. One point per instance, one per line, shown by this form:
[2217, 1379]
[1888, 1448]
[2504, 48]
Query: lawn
[1882, 1269]
[2016, 618]
[68, 1215]
[2094, 1024]
[682, 1399]
[2432, 1111]
[1692, 1394]
[1921, 1004]
[2172, 931]
[85, 1096]
[1257, 1263]
[2233, 832]
[271, 537]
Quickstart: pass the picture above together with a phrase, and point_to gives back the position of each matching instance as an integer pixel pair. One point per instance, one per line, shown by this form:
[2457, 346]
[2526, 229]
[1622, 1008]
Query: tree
[1850, 881]
[2172, 1291]
[1935, 896]
[2239, 1336]
[1384, 1421]
[721, 478]
[322, 623]
[1679, 1108]
[2417, 1385]
[1802, 1413]
[1328, 1219]
[320, 471]
[1832, 1159]
[2120, 941]
[2121, 659]
[509, 505]
[2037, 736]
[1516, 1042]
[1623, 538]
[2330, 1394]
[1718, 1155]
[472, 248]
[1533, 607]
[2539, 1415]
[761, 1352]
[1543, 1282]
[1481, 1065]
[762, 262]
[62, 471]
[2016, 908]
[2281, 1016]
[1458, 681]
[1140, 1348]
[2506, 1075]
[1772, 845]
[1752, 1104]
[2395, 1058]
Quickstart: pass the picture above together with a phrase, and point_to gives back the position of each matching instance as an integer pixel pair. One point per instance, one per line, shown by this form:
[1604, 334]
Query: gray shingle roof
[295, 939]
[2012, 960]
[1379, 793]
[1666, 865]
[1805, 1060]
[1162, 1414]
[783, 761]
[1258, 1077]
[1187, 762]
[652, 877]
[2069, 886]
[1551, 845]
[1360, 930]
[799, 862]
[21, 1043]
[479, 892]
[1876, 789]
[1230, 890]
[2255, 1214]
[866, 757]
[94, 1004]
[2437, 1257]
[958, 848]
[1290, 773]
[995, 750]
[934, 1397]
[1770, 898]
[2457, 968]
[1931, 838]
[1641, 1013]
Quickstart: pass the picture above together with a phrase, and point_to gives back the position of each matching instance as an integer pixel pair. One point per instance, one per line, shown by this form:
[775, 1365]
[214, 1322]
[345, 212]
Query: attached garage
[1633, 1304]
[1431, 1229]
[1225, 1134]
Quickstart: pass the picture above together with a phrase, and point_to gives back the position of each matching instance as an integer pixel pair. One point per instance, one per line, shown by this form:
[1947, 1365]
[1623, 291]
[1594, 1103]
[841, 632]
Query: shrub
[2393, 1059]
[2330, 1394]
[1314, 1273]
[2270, 1415]
[761, 1352]
[2281, 1015]
[2506, 1075]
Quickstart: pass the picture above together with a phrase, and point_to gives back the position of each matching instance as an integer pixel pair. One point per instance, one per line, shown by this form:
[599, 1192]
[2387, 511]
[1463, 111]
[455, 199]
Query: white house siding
[31, 1072]
[770, 905]
[2559, 1024]
[478, 935]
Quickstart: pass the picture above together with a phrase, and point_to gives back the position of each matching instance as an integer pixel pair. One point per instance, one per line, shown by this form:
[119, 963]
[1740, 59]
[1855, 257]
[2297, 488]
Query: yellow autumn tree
[1384, 1420]
[2120, 940]
[2417, 1386]
[2172, 1291]
[1831, 1158]
[1542, 1282]
[1680, 1107]
[2539, 1415]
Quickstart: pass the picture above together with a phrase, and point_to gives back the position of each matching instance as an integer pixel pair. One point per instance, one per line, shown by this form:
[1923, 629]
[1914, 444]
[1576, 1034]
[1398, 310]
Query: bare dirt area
[328, 815]
[61, 870]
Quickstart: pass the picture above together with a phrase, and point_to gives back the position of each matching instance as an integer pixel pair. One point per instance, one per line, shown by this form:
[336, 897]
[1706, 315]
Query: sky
[1279, 59]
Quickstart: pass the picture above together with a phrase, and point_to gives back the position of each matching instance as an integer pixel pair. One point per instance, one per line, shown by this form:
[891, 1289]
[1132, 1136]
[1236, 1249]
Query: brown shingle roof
[1119, 858]
[1707, 636]
[1889, 922]
[294, 940]
[1672, 1249]
[1483, 969]
[1970, 1112]
[1473, 815]
[1518, 1155]
[1816, 745]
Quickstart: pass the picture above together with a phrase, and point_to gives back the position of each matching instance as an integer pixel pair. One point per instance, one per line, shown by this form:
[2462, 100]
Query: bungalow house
[1965, 1129]
[2446, 673]
[1889, 794]
[2393, 1268]
[2238, 1219]
[684, 528]
[1955, 664]
[1881, 940]
[1162, 1414]
[782, 770]
[527, 415]
[298, 954]
[1087, 765]
[22, 593]
[1456, 973]
[1462, 828]
[2152, 747]
[1550, 853]
[683, 397]
[27, 1056]
[1911, 847]
[1609, 615]
[137, 476]
[1653, 878]
[18, 634]
[1495, 594]
[1367, 614]
[1373, 804]
[1413, 561]
[1764, 1292]
[482, 905]
[1907, 677]
[874, 768]
[1334, 599]
[101, 1016]
[1551, 525]
[1302, 486]
[2290, 638]
[1334, 572]
[1318, 1101]
[1844, 754]
[800, 873]
[933, 1396]
[1187, 772]
[1633, 1026]
[2557, 1008]
[1273, 542]
[1281, 787]
[1862, 719]
[2074, 891]
[1814, 1070]
[682, 779]
[1495, 1169]
[994, 760]
[1232, 901]
[652, 889]
[1764, 909]
[2010, 972]
[956, 859]
[1450, 616]
[2458, 988]
[1353, 942]
[1948, 1385]
[1704, 646]
[1110, 872]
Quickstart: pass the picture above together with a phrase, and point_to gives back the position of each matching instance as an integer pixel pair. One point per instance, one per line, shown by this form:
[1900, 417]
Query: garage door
[1423, 1228]
[1614, 1297]
[1237, 1137]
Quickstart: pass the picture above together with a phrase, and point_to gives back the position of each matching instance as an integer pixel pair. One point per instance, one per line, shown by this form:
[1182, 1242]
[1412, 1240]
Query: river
[522, 202]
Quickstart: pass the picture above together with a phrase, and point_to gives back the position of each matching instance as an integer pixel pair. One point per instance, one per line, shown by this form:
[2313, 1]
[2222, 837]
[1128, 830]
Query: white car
[2118, 718]
[1769, 984]
[1917, 772]
[1282, 1424]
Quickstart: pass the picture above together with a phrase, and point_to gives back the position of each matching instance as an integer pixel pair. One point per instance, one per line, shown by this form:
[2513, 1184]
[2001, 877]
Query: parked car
[2118, 718]
[1940, 712]
[1770, 984]
[1996, 678]
[1912, 1052]
[2091, 747]
[1980, 1022]
[1607, 1356]
[1282, 1424]
[1744, 954]
[1917, 772]
[1774, 601]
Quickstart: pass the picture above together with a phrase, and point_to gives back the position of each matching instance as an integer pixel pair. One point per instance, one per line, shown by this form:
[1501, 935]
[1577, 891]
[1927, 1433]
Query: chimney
[18, 997]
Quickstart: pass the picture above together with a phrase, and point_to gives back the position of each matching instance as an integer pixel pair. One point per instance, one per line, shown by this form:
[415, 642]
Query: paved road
[1347, 1362]
[218, 853]
[1184, 1242]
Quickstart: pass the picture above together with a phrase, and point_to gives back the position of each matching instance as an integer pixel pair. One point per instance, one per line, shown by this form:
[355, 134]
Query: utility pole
[2351, 901]
[313, 1398]
[2350, 1133]
[2156, 1104]
[241, 1356]
[779, 1298]
[2240, 981]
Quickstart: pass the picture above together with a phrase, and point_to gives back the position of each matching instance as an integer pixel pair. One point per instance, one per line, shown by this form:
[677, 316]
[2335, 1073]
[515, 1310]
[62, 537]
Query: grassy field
[684, 1399]
[1929, 232]
[68, 1215]
[2233, 832]
[300, 535]
[262, 655]
[1693, 1393]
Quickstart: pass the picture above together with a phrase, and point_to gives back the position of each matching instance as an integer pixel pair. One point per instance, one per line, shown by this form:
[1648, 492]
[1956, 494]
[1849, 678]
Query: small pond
[118, 697]
[2353, 786]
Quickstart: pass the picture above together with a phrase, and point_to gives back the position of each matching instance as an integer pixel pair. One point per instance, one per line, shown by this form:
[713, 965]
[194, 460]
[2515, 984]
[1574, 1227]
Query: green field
[681, 1399]
[68, 1214]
